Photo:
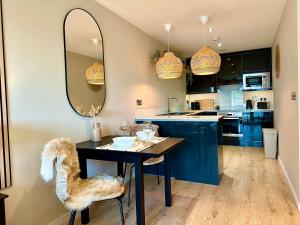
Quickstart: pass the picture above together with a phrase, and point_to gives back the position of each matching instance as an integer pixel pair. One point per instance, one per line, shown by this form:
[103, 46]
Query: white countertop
[258, 110]
[189, 117]
[181, 118]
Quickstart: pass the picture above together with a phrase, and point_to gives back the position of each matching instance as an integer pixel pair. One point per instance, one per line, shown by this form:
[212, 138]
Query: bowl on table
[124, 142]
[144, 136]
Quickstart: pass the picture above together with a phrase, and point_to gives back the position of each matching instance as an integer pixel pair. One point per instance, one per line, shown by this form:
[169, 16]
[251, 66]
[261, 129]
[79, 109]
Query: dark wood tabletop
[156, 150]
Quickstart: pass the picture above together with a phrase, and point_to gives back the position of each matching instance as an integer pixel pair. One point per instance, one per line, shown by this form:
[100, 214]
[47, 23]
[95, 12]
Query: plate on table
[117, 147]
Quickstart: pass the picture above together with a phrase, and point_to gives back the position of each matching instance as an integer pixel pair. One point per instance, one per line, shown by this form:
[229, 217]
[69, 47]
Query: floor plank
[253, 191]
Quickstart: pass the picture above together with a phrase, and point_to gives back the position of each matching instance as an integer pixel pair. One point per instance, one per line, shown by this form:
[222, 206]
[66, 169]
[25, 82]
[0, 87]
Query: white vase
[96, 132]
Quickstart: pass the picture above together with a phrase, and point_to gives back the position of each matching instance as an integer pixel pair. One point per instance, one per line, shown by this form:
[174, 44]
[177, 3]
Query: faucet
[169, 99]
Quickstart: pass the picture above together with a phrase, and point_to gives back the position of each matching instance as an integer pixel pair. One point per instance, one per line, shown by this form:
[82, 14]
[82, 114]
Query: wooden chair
[77, 194]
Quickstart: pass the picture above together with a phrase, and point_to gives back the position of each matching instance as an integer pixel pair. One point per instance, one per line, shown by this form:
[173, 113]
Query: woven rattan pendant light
[95, 73]
[169, 66]
[206, 61]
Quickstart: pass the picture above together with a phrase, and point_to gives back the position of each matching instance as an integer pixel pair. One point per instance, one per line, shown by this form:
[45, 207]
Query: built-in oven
[256, 81]
[232, 129]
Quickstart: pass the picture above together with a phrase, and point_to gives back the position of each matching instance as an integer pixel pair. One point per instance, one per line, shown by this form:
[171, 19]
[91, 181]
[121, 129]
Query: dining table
[2, 209]
[90, 150]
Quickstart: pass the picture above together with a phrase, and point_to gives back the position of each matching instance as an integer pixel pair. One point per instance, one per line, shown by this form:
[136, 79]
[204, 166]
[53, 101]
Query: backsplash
[256, 95]
[195, 97]
[231, 97]
[224, 100]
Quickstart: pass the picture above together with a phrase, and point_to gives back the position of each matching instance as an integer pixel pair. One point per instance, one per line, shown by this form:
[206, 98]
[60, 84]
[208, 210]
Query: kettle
[249, 104]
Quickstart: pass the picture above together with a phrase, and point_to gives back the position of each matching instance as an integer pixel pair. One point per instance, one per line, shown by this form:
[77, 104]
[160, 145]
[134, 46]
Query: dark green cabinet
[200, 157]
[256, 61]
[200, 84]
[230, 70]
[253, 135]
[253, 123]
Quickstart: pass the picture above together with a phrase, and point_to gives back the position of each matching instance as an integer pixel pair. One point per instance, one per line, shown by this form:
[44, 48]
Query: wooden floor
[253, 191]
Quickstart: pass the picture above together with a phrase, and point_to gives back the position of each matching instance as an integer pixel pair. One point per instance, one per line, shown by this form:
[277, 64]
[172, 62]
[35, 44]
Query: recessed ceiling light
[220, 44]
[210, 29]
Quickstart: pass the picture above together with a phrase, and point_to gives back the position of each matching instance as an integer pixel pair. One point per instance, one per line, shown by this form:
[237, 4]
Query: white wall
[286, 110]
[38, 106]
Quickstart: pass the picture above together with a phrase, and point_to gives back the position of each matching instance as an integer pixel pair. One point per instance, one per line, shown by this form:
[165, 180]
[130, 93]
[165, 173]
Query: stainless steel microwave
[256, 81]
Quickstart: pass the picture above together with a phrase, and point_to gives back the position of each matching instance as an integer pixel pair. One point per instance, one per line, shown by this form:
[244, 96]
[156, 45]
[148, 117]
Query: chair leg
[72, 217]
[129, 189]
[124, 173]
[121, 210]
[157, 175]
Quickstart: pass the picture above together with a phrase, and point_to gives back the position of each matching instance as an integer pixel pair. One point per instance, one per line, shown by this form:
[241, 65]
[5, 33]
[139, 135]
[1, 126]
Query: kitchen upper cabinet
[256, 61]
[233, 66]
[201, 84]
[230, 70]
[197, 84]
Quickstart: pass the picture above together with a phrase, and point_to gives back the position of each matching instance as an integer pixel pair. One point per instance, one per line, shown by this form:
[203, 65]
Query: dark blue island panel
[200, 157]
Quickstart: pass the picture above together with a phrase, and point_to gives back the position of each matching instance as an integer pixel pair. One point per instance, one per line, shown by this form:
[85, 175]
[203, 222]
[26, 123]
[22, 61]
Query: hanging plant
[155, 57]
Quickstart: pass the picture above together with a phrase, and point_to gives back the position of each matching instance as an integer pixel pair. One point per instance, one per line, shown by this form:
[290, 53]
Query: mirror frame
[65, 58]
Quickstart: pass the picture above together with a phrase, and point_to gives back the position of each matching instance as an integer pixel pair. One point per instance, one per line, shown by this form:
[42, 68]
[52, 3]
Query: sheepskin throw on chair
[73, 192]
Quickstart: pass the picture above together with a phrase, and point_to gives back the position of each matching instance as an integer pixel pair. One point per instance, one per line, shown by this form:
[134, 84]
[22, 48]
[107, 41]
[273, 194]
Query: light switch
[139, 102]
[293, 95]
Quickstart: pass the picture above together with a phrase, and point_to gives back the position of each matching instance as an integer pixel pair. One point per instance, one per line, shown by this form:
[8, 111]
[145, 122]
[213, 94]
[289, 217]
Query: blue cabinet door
[253, 122]
[253, 135]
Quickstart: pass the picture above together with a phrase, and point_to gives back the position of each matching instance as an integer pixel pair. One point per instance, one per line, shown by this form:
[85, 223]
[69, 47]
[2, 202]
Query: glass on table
[147, 128]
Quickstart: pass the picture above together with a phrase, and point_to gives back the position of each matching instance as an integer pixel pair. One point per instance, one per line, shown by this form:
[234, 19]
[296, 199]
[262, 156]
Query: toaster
[263, 105]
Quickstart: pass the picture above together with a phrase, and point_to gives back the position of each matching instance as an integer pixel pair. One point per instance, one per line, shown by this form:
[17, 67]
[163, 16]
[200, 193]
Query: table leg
[167, 173]
[139, 193]
[2, 212]
[120, 169]
[85, 215]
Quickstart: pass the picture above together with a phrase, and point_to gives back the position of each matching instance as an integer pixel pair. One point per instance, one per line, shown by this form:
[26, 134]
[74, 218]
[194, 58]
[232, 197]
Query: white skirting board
[290, 184]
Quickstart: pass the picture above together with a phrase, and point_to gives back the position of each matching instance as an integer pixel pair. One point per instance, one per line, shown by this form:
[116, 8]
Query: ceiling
[241, 24]
[80, 29]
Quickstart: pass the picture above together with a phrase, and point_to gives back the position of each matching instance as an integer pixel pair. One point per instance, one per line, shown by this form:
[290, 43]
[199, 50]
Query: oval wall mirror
[84, 63]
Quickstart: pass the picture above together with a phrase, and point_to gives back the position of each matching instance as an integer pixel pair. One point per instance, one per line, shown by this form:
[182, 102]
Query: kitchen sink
[205, 113]
[175, 114]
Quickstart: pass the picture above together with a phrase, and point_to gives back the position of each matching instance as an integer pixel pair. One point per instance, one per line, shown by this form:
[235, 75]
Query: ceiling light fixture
[210, 29]
[220, 44]
[205, 61]
[169, 66]
[95, 73]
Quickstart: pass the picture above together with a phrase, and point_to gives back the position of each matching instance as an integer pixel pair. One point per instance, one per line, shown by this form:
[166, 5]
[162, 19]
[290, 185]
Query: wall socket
[293, 96]
[139, 102]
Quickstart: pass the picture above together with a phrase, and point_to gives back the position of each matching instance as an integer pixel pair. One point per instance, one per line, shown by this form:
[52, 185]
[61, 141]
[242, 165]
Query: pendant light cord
[97, 51]
[205, 38]
[168, 41]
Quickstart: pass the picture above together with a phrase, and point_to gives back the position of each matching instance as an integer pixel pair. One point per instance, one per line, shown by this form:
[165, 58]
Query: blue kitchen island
[200, 157]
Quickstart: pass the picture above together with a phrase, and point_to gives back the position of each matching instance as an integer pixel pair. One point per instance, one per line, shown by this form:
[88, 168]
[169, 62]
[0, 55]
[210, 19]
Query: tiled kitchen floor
[253, 191]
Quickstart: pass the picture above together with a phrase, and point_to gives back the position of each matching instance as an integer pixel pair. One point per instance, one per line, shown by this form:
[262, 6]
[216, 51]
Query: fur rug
[74, 192]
